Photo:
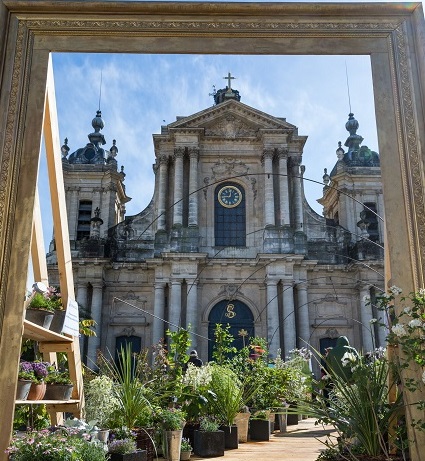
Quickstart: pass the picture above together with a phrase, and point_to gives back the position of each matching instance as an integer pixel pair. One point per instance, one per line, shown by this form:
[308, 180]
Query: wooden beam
[38, 253]
[57, 191]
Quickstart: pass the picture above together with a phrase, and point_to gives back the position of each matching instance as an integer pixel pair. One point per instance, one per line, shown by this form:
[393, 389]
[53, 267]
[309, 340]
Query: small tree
[223, 340]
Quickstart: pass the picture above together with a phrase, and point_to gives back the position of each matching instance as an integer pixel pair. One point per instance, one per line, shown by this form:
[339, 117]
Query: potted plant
[43, 303]
[25, 377]
[125, 450]
[58, 385]
[185, 449]
[259, 426]
[231, 395]
[208, 440]
[172, 421]
[38, 386]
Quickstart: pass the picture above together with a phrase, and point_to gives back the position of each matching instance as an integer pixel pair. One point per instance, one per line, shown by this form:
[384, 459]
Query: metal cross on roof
[229, 79]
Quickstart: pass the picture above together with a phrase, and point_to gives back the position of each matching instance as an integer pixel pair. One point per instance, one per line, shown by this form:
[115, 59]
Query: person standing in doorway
[194, 360]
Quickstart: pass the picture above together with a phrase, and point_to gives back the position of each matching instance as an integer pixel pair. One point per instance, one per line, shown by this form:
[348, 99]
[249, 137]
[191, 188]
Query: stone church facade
[228, 236]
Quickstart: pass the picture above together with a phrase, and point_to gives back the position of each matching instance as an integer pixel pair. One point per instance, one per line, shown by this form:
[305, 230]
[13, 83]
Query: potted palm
[208, 440]
[125, 450]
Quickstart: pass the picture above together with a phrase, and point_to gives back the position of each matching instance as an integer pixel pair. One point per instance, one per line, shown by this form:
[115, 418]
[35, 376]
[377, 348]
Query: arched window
[230, 215]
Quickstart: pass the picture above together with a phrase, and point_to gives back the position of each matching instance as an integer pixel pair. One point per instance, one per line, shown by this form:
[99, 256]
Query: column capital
[301, 285]
[282, 153]
[193, 152]
[362, 286]
[271, 281]
[268, 154]
[97, 285]
[176, 281]
[163, 159]
[295, 161]
[179, 152]
[158, 284]
[287, 283]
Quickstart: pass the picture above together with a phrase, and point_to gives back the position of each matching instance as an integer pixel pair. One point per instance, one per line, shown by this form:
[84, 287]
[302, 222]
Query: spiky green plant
[128, 389]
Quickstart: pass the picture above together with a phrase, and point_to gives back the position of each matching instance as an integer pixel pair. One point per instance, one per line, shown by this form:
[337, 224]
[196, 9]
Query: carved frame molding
[392, 34]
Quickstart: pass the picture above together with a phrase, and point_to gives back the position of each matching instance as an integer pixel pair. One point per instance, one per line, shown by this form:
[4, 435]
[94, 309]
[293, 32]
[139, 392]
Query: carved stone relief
[230, 127]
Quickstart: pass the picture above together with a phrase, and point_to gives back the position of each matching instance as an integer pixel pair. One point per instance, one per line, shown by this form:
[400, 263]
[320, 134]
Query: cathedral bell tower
[352, 196]
[95, 190]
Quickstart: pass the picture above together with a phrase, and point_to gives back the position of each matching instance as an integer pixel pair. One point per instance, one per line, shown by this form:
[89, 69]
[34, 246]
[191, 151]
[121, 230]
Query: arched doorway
[235, 313]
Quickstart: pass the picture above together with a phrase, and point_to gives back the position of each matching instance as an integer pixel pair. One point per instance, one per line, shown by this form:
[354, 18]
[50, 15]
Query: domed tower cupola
[92, 153]
[226, 93]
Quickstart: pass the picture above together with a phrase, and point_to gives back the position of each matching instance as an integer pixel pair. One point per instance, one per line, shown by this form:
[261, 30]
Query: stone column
[162, 191]
[269, 218]
[178, 186]
[96, 313]
[368, 330]
[192, 310]
[175, 307]
[193, 186]
[303, 338]
[283, 187]
[289, 329]
[82, 295]
[297, 178]
[73, 214]
[81, 299]
[273, 334]
[158, 310]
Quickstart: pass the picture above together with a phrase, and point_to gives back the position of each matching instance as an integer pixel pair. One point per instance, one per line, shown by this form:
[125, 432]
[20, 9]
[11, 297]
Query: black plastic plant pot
[209, 444]
[230, 436]
[259, 429]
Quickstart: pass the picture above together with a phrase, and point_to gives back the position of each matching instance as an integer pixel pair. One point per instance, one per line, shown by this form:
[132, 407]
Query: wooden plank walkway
[302, 442]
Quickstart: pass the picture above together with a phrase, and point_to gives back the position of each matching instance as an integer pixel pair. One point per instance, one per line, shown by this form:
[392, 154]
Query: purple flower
[26, 366]
[40, 369]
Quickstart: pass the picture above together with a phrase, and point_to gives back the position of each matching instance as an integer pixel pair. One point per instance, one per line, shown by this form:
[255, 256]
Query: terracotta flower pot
[37, 391]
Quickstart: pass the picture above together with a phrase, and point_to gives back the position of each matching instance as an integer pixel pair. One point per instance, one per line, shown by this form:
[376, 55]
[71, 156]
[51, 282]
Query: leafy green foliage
[223, 340]
[359, 409]
[178, 345]
[61, 445]
[101, 402]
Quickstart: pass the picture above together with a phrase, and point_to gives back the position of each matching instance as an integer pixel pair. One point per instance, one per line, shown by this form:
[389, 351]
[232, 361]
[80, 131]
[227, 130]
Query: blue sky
[139, 92]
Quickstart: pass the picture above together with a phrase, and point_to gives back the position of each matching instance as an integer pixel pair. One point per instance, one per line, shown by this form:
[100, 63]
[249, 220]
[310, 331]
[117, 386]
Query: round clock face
[229, 196]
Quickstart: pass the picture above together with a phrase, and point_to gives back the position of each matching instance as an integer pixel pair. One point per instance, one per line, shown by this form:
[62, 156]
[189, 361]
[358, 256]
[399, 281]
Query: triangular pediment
[231, 119]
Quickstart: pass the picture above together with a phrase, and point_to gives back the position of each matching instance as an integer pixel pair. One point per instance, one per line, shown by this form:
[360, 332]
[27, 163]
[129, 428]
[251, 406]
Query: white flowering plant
[406, 321]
